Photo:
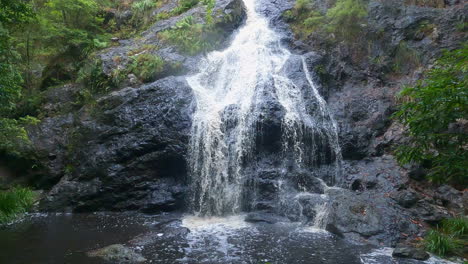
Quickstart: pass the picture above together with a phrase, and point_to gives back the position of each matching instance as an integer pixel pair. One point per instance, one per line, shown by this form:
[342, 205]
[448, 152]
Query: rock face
[117, 254]
[129, 153]
[128, 150]
[402, 251]
[380, 202]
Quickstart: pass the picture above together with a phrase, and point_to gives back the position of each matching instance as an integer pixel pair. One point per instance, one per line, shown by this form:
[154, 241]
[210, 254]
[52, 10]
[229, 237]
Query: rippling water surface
[65, 238]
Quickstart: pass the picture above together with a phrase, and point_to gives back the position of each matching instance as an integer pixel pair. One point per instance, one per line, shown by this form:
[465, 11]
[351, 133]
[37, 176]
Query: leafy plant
[456, 226]
[15, 202]
[91, 75]
[405, 58]
[440, 243]
[343, 21]
[142, 10]
[449, 238]
[146, 66]
[431, 111]
[13, 136]
[183, 6]
[191, 37]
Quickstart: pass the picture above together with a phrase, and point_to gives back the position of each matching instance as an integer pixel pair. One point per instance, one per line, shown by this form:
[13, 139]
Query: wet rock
[431, 213]
[129, 155]
[334, 230]
[259, 217]
[450, 197]
[402, 251]
[407, 198]
[370, 216]
[417, 173]
[117, 254]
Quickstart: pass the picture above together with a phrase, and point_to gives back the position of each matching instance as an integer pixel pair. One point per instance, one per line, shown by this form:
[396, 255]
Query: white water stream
[228, 91]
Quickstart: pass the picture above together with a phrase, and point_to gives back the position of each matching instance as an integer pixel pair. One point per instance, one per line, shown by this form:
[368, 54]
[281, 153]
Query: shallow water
[64, 238]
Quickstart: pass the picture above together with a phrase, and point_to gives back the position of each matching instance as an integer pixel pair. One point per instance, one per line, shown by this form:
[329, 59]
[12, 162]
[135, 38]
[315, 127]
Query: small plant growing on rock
[146, 66]
[343, 21]
[449, 238]
[191, 37]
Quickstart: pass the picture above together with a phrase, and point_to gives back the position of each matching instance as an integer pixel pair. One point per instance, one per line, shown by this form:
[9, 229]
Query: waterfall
[229, 90]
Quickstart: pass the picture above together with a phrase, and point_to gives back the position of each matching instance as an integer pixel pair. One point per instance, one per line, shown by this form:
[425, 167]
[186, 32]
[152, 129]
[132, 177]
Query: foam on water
[205, 224]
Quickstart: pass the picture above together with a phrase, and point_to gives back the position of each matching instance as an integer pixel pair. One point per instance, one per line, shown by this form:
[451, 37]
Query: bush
[405, 58]
[449, 238]
[146, 66]
[92, 77]
[344, 20]
[15, 202]
[183, 6]
[456, 226]
[432, 110]
[191, 37]
[14, 139]
[142, 11]
[441, 244]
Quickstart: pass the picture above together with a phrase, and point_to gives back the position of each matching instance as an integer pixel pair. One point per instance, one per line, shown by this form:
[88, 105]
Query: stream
[174, 238]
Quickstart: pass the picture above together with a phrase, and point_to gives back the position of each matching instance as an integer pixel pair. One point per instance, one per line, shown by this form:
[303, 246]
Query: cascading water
[229, 91]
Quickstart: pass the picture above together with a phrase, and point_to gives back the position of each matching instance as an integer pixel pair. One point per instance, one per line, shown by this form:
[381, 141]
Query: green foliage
[440, 243]
[94, 81]
[184, 6]
[428, 109]
[15, 202]
[71, 26]
[456, 226]
[304, 19]
[343, 21]
[405, 58]
[191, 37]
[142, 10]
[14, 12]
[14, 139]
[449, 238]
[10, 76]
[302, 5]
[91, 75]
[146, 66]
[210, 4]
[462, 26]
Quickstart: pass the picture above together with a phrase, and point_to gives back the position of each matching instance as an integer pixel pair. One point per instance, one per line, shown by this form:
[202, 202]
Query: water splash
[229, 92]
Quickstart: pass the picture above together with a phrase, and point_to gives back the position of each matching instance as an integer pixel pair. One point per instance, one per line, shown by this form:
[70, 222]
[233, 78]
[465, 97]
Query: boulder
[407, 198]
[257, 217]
[117, 254]
[404, 251]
